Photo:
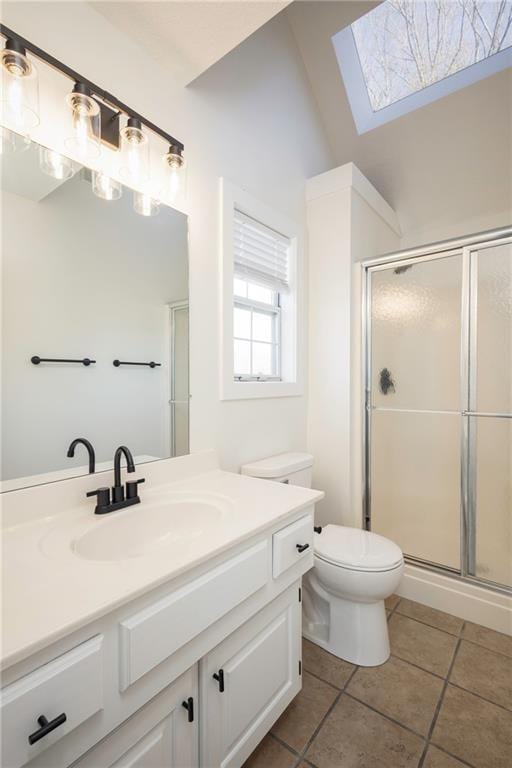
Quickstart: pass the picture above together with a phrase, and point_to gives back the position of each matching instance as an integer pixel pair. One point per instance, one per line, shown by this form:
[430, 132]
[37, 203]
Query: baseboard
[467, 601]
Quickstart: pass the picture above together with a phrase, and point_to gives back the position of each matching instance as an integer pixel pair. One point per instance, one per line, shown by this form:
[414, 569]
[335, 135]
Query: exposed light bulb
[19, 101]
[145, 205]
[105, 187]
[175, 172]
[84, 141]
[11, 142]
[56, 165]
[134, 152]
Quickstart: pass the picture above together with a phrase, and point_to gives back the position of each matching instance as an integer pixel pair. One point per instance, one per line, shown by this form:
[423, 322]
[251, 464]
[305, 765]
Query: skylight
[406, 53]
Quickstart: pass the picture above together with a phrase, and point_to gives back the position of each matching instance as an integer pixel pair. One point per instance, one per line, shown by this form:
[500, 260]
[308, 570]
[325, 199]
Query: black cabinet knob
[46, 727]
[189, 706]
[302, 547]
[219, 676]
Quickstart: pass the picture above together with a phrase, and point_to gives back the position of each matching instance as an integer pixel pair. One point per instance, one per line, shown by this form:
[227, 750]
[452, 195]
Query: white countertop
[49, 591]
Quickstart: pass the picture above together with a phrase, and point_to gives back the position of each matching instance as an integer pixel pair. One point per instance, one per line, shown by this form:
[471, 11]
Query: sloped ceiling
[188, 37]
[439, 167]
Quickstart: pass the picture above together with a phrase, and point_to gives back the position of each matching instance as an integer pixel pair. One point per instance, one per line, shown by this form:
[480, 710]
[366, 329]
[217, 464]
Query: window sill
[253, 390]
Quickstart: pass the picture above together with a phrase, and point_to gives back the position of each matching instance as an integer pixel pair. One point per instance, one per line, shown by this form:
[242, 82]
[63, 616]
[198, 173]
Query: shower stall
[437, 332]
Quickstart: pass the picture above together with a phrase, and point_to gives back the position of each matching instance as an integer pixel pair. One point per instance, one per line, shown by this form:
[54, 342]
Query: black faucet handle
[132, 489]
[103, 495]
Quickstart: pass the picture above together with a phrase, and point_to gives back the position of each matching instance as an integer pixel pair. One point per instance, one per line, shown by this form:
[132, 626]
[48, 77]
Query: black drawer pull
[46, 727]
[189, 706]
[219, 676]
[302, 547]
[317, 528]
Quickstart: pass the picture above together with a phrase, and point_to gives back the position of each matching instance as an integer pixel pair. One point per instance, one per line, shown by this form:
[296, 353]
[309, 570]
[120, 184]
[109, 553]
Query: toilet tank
[292, 468]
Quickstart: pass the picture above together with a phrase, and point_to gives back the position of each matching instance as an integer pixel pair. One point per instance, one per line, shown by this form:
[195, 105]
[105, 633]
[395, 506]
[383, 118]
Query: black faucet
[120, 497]
[90, 451]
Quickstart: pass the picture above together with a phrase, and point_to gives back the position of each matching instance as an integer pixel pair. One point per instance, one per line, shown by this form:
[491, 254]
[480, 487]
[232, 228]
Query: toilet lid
[357, 549]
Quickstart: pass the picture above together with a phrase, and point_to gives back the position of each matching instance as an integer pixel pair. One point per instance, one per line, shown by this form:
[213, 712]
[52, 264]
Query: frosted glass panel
[416, 335]
[494, 330]
[181, 429]
[181, 384]
[493, 501]
[415, 483]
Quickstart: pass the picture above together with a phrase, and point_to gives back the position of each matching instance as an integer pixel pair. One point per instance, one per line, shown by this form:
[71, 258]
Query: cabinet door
[159, 735]
[259, 671]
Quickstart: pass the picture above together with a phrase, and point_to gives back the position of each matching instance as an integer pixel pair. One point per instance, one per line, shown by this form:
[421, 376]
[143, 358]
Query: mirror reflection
[87, 278]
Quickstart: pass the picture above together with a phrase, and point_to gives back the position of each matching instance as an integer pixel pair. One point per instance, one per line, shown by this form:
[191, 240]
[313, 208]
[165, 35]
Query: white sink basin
[139, 530]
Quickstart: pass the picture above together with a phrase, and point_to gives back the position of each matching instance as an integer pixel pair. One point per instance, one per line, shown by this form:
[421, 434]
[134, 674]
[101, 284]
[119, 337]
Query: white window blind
[261, 254]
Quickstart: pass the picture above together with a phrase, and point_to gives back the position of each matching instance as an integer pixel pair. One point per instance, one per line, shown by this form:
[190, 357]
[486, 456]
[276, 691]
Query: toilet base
[355, 632]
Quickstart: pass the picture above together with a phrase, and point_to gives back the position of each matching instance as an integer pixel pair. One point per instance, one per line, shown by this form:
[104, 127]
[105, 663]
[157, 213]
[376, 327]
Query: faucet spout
[130, 464]
[90, 451]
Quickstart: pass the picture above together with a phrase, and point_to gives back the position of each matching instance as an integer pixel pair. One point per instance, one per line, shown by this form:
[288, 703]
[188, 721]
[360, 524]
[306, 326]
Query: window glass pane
[242, 323]
[262, 359]
[262, 326]
[240, 287]
[258, 293]
[242, 357]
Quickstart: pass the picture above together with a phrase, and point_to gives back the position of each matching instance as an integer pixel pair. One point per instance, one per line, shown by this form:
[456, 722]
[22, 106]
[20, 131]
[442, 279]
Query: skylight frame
[366, 119]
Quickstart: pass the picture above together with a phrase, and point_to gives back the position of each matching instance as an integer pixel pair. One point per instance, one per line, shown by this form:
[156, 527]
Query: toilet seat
[357, 550]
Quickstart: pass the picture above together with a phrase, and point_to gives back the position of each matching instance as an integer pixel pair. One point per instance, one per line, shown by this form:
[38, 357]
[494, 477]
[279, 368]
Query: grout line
[391, 612]
[417, 666]
[439, 705]
[323, 680]
[424, 623]
[283, 744]
[387, 717]
[486, 647]
[455, 757]
[479, 696]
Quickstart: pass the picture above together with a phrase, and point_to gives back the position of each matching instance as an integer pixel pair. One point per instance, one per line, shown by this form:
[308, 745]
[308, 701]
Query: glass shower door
[414, 403]
[490, 414]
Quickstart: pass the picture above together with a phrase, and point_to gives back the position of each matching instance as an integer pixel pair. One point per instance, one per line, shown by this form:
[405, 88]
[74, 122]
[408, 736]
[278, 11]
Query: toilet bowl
[344, 594]
[354, 571]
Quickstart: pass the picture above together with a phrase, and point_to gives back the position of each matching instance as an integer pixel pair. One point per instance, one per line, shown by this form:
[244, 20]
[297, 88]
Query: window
[261, 292]
[403, 54]
[260, 276]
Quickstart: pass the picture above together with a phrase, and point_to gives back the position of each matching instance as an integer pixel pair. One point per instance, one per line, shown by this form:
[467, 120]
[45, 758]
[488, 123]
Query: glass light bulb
[56, 165]
[145, 205]
[11, 142]
[175, 174]
[84, 141]
[19, 101]
[134, 153]
[105, 187]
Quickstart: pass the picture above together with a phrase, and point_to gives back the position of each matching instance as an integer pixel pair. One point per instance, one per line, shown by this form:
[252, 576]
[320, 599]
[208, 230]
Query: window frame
[366, 119]
[268, 309]
[291, 324]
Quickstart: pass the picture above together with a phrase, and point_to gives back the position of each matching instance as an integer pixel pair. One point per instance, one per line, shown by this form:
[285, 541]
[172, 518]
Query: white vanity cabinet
[248, 680]
[163, 734]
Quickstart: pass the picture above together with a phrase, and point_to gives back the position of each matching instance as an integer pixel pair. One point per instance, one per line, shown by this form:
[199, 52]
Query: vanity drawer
[71, 684]
[155, 633]
[286, 543]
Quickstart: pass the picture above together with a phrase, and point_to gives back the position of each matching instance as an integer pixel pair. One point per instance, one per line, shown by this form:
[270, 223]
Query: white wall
[85, 278]
[347, 221]
[251, 118]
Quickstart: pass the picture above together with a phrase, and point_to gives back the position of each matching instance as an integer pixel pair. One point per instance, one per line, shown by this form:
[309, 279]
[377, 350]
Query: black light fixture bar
[105, 96]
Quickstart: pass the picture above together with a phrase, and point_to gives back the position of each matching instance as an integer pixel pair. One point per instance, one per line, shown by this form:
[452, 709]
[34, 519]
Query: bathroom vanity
[168, 633]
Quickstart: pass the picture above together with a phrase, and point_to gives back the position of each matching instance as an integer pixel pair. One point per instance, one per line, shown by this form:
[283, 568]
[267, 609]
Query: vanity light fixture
[134, 152]
[175, 172]
[20, 89]
[56, 165]
[145, 204]
[105, 187]
[85, 137]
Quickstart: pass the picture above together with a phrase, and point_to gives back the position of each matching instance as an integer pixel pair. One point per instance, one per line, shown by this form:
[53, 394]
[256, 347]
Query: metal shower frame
[433, 251]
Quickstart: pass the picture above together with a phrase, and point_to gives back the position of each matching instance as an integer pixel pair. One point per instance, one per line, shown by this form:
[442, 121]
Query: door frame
[174, 307]
[438, 250]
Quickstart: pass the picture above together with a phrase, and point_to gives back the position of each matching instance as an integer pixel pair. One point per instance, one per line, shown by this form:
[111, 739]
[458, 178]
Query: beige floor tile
[391, 601]
[270, 754]
[323, 664]
[354, 736]
[431, 616]
[299, 721]
[483, 672]
[474, 730]
[496, 641]
[427, 647]
[437, 759]
[400, 691]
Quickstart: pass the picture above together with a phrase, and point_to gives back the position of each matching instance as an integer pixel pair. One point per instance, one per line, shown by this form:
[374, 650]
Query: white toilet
[355, 570]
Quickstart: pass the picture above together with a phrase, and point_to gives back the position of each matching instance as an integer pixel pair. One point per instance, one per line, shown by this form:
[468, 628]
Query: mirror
[83, 277]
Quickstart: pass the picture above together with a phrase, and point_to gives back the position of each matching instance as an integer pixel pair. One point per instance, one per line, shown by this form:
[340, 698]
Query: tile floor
[443, 700]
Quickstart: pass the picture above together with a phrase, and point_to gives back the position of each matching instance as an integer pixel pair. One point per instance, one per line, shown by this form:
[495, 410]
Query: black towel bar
[36, 360]
[152, 364]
